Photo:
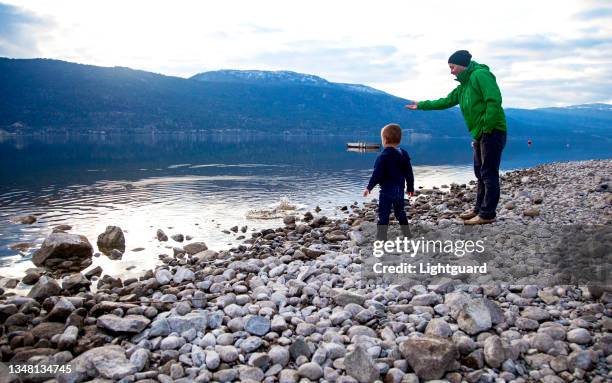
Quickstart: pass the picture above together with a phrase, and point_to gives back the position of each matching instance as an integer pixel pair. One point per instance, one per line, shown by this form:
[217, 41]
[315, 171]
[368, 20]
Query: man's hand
[410, 194]
[366, 193]
[412, 106]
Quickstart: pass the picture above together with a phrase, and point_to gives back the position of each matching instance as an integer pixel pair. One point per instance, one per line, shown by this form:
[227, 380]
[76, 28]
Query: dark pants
[487, 157]
[391, 198]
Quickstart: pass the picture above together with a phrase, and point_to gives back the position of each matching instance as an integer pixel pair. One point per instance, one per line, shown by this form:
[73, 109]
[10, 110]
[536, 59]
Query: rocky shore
[289, 304]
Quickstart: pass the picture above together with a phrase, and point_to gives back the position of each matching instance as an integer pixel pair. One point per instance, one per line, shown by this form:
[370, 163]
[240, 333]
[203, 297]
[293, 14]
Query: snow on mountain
[361, 88]
[594, 106]
[282, 76]
[277, 77]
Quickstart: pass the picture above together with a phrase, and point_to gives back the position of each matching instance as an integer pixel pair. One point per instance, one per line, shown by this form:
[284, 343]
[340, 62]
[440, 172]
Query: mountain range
[43, 95]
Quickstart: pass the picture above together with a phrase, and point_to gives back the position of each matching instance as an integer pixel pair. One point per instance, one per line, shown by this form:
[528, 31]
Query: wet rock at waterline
[64, 252]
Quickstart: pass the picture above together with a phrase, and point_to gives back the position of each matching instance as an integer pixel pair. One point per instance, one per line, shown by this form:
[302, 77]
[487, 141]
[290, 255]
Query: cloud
[596, 13]
[252, 28]
[545, 47]
[243, 30]
[18, 32]
[540, 70]
[561, 91]
[220, 35]
[411, 36]
[359, 64]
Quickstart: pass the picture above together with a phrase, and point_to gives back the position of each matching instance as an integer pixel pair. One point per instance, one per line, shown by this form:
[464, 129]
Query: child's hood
[398, 153]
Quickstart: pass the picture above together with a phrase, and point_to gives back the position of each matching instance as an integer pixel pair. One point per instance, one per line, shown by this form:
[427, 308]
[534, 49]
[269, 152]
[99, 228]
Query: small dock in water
[362, 145]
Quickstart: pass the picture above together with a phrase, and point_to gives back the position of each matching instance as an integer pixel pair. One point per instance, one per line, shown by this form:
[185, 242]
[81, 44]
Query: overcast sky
[544, 53]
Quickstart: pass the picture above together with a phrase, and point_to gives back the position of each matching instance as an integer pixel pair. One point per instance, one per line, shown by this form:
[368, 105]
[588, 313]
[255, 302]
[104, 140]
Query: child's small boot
[406, 231]
[381, 232]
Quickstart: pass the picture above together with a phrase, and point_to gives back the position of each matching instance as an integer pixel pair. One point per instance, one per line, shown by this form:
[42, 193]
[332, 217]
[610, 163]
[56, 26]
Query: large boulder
[430, 357]
[64, 252]
[112, 238]
[108, 362]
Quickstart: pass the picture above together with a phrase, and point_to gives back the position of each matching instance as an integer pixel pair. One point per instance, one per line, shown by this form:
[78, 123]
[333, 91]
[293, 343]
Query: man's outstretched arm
[442, 103]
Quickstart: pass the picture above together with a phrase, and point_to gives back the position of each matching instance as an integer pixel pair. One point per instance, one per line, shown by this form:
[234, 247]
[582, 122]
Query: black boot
[381, 232]
[406, 231]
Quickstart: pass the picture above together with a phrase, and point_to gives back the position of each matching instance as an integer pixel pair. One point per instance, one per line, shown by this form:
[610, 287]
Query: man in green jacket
[480, 101]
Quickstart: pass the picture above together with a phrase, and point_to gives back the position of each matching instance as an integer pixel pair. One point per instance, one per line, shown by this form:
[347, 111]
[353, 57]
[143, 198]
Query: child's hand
[366, 193]
[410, 194]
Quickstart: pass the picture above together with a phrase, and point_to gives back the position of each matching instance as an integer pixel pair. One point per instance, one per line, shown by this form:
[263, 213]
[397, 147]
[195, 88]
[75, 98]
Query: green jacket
[479, 99]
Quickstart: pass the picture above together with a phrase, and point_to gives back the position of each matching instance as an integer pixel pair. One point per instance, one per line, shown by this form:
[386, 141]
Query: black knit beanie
[460, 58]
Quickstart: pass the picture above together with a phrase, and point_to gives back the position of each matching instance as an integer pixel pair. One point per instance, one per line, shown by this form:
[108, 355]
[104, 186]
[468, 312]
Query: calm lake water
[201, 185]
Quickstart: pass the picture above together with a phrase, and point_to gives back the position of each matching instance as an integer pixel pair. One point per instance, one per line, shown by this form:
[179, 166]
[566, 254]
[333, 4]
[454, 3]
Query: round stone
[257, 325]
[251, 344]
[310, 370]
[279, 355]
[227, 354]
[438, 327]
[213, 360]
[183, 308]
[542, 341]
[579, 336]
[172, 343]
